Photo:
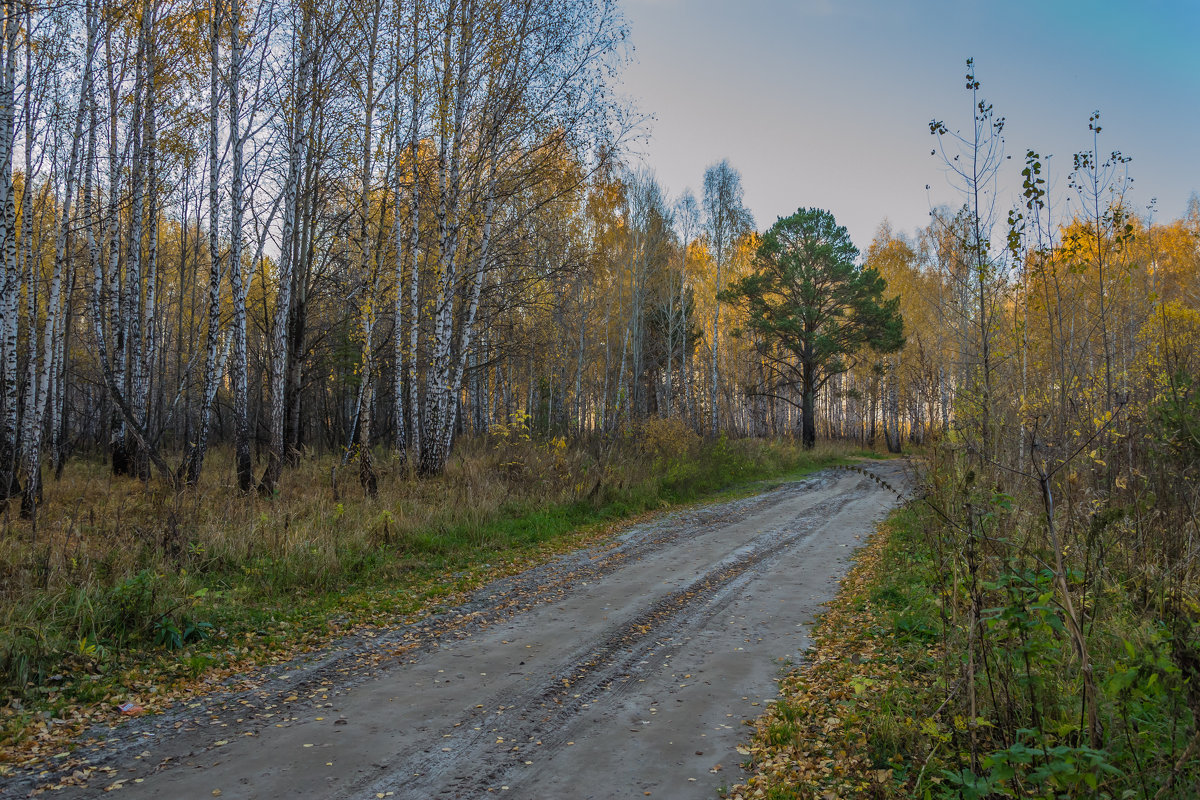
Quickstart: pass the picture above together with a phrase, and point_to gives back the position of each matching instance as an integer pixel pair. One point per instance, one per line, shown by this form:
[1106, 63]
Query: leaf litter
[812, 742]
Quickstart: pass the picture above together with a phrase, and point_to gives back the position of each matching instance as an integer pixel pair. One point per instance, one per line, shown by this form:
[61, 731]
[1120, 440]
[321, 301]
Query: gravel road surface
[625, 670]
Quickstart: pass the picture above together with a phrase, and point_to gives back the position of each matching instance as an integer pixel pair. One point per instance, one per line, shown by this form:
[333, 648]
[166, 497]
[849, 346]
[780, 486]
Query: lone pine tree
[813, 307]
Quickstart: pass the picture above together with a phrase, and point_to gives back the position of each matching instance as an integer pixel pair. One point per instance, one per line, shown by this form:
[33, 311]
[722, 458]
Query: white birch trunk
[114, 292]
[133, 257]
[297, 148]
[439, 399]
[212, 337]
[150, 310]
[34, 415]
[369, 276]
[11, 286]
[414, 211]
[447, 421]
[240, 365]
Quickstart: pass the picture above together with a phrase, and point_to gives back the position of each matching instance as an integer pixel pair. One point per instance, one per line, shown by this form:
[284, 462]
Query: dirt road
[622, 671]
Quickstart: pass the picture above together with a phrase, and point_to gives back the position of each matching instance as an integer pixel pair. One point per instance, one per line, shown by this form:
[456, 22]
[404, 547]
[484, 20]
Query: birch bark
[414, 213]
[297, 147]
[11, 286]
[213, 335]
[33, 422]
[240, 367]
[133, 256]
[456, 65]
[369, 275]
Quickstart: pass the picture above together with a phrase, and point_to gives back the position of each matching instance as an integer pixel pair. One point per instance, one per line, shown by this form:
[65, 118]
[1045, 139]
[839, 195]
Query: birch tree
[10, 288]
[297, 147]
[39, 388]
[726, 219]
[239, 365]
[687, 222]
[212, 347]
[523, 82]
[245, 202]
[368, 266]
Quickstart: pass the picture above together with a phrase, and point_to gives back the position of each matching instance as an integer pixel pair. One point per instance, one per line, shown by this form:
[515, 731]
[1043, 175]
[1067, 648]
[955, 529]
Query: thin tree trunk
[211, 368]
[366, 473]
[150, 313]
[579, 406]
[283, 302]
[415, 416]
[9, 301]
[712, 396]
[133, 258]
[32, 434]
[240, 366]
[440, 401]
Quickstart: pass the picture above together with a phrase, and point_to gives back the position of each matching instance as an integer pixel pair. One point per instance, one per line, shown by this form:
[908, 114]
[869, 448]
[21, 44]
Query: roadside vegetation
[123, 595]
[1029, 626]
[934, 676]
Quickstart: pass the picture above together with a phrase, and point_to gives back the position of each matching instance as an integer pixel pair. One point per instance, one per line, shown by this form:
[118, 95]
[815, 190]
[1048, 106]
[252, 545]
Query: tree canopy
[813, 307]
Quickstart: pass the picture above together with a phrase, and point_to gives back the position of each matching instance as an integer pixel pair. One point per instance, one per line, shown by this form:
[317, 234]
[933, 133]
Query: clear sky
[827, 102]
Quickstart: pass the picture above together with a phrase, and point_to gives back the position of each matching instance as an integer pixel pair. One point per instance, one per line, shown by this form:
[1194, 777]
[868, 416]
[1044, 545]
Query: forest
[289, 287]
[226, 230]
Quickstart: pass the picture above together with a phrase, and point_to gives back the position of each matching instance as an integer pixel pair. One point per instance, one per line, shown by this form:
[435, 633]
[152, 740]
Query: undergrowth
[881, 706]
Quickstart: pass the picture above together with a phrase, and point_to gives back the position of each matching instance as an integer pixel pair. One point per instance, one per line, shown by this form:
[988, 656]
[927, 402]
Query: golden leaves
[809, 743]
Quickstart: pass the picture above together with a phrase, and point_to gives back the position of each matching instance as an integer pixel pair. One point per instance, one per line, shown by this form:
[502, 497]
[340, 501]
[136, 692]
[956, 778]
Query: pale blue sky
[827, 102]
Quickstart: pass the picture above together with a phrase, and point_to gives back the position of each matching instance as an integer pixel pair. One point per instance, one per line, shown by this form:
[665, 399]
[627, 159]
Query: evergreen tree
[814, 307]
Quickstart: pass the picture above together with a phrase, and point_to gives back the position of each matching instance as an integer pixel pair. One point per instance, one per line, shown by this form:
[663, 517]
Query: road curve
[625, 670]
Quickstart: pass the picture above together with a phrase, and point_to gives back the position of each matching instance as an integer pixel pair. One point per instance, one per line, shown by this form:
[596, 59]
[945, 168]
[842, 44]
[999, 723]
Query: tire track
[608, 664]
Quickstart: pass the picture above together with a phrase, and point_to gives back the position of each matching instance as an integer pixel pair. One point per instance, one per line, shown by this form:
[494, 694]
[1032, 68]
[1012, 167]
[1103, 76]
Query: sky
[827, 103]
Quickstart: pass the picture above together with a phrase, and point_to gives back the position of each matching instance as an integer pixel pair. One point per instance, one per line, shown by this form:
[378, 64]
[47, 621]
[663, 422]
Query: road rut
[625, 670]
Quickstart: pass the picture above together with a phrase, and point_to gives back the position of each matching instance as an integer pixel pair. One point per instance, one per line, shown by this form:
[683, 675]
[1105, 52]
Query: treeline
[1119, 338]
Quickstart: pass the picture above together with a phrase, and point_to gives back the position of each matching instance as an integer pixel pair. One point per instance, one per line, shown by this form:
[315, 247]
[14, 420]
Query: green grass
[919, 725]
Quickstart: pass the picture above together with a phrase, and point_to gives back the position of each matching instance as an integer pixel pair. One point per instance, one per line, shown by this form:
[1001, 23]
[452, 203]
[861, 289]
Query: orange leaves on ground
[812, 742]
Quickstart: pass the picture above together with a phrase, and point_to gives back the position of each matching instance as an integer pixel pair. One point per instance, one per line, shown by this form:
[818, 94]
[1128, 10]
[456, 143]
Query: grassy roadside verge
[847, 722]
[164, 602]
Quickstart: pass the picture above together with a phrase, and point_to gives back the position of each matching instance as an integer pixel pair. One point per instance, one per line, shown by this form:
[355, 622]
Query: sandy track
[620, 671]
